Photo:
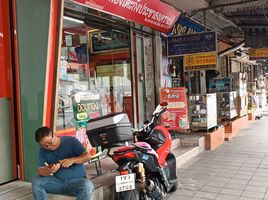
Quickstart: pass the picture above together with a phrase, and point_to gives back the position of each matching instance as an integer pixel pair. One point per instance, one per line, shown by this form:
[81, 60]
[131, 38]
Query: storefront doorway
[7, 141]
[141, 81]
[144, 64]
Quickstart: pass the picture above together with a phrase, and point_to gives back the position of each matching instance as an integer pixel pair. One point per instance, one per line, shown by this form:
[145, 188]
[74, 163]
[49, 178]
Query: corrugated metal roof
[187, 5]
[214, 21]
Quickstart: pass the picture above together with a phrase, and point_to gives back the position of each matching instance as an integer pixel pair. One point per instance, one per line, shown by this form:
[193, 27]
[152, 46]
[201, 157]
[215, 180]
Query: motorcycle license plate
[125, 182]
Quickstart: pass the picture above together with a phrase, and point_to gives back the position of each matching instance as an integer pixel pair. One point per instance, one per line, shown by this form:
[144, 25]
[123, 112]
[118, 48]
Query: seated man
[60, 168]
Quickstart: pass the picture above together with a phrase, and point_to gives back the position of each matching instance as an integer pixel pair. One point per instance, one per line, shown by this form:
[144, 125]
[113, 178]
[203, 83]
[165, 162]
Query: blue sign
[185, 25]
[193, 43]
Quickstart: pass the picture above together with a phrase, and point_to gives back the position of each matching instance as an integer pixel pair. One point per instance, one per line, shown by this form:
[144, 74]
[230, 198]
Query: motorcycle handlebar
[159, 109]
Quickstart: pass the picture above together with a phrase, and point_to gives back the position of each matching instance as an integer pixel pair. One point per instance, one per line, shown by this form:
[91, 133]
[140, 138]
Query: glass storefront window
[172, 71]
[94, 74]
[114, 83]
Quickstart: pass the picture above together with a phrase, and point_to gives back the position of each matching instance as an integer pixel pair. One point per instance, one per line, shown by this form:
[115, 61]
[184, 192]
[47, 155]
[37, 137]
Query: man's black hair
[42, 132]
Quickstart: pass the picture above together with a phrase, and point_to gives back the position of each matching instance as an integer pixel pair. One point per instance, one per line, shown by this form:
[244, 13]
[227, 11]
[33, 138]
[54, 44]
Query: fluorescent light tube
[73, 20]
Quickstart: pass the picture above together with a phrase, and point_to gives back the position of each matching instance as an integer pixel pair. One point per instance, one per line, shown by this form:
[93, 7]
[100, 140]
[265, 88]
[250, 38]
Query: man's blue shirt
[69, 147]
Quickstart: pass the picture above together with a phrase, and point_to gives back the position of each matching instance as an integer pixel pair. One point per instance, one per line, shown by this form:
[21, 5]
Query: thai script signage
[153, 13]
[205, 61]
[177, 115]
[193, 43]
[185, 25]
[257, 54]
[86, 105]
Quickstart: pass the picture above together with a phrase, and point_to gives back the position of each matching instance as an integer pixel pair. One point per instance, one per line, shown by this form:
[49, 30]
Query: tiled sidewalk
[236, 170]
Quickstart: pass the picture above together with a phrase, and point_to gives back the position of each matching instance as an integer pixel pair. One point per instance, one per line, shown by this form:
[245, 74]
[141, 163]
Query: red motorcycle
[147, 167]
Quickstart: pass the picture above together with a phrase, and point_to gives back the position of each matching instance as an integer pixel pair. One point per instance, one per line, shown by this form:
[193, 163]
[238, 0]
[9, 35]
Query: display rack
[203, 111]
[240, 85]
[227, 105]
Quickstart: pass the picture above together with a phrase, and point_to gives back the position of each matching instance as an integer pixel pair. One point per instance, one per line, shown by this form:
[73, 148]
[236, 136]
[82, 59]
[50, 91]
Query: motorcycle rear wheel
[129, 195]
[132, 194]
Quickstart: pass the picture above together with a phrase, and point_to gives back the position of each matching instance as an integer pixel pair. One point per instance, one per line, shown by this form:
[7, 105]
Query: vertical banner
[177, 115]
[86, 105]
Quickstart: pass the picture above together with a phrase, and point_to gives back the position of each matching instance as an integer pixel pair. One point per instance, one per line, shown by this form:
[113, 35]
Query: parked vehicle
[147, 167]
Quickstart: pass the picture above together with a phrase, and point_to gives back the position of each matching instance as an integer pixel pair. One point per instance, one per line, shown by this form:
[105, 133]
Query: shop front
[106, 66]
[96, 58]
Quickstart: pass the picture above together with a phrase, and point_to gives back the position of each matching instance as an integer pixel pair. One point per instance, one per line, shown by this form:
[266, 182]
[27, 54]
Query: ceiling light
[70, 33]
[73, 20]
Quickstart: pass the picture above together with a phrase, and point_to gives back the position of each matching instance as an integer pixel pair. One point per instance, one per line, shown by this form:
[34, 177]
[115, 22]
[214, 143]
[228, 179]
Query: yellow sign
[255, 54]
[204, 61]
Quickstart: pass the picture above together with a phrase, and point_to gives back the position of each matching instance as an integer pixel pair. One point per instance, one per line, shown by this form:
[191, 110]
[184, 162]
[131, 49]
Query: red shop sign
[152, 13]
[177, 115]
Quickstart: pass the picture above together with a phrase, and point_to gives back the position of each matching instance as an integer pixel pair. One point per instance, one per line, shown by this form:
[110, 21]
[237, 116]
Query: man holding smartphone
[61, 169]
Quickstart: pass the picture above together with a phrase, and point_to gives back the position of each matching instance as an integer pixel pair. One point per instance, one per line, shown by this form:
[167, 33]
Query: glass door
[141, 80]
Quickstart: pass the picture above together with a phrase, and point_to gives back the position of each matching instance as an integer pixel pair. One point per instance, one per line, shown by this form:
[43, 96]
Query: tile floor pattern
[237, 170]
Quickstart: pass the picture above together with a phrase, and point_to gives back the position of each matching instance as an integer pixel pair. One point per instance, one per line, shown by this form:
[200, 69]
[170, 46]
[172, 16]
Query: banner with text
[185, 25]
[153, 13]
[204, 61]
[258, 54]
[193, 43]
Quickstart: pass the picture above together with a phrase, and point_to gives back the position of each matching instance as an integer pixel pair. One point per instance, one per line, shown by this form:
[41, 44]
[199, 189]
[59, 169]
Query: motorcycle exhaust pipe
[153, 190]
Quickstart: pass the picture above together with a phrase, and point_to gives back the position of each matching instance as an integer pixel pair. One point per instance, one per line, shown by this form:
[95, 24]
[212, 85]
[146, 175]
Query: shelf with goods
[261, 91]
[203, 111]
[253, 105]
[240, 85]
[227, 105]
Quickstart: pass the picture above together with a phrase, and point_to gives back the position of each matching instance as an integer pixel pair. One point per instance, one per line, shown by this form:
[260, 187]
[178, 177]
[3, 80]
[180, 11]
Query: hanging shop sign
[177, 115]
[184, 25]
[153, 13]
[205, 61]
[258, 54]
[193, 43]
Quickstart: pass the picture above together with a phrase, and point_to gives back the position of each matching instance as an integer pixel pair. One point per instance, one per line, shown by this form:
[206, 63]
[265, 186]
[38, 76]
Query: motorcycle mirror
[164, 103]
[146, 122]
[157, 110]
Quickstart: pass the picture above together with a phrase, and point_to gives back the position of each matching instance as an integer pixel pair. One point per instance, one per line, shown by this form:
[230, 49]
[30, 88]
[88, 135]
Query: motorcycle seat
[145, 144]
[139, 144]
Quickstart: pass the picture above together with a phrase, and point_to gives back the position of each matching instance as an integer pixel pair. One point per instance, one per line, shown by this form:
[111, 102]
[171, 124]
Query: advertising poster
[86, 105]
[177, 115]
[220, 85]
